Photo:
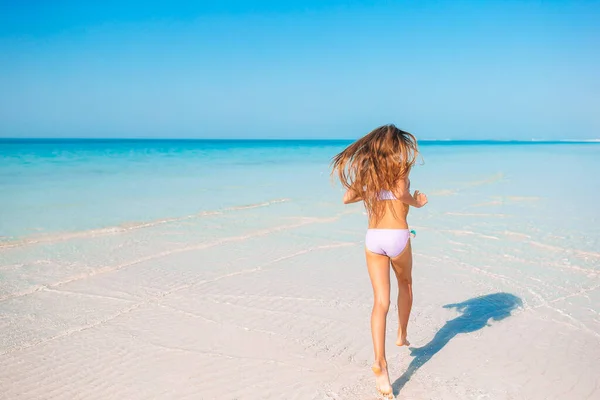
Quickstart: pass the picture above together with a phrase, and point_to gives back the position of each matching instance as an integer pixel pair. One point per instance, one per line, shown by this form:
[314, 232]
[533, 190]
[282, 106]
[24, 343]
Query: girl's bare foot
[382, 380]
[402, 340]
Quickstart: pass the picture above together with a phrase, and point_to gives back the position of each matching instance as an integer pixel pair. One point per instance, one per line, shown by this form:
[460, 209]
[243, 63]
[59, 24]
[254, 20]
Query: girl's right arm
[417, 200]
[351, 196]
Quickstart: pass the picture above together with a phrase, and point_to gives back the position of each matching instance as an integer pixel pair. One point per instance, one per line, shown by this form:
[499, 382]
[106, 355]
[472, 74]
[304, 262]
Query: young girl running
[375, 169]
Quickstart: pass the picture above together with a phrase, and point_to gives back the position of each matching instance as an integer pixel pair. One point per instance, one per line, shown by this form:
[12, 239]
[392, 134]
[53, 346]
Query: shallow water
[61, 186]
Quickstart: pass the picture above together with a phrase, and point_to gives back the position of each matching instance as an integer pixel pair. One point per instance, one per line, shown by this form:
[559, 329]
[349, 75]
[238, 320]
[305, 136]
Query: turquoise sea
[53, 186]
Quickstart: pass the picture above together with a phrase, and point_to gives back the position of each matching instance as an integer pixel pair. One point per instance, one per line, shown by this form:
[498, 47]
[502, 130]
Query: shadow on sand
[476, 314]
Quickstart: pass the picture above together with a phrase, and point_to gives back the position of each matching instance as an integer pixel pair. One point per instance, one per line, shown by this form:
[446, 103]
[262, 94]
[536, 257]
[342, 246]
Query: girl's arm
[417, 200]
[351, 196]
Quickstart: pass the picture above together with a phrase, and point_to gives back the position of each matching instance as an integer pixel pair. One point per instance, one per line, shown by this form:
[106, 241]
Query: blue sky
[300, 69]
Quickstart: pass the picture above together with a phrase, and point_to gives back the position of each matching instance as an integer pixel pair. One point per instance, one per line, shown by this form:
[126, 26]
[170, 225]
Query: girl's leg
[402, 266]
[379, 272]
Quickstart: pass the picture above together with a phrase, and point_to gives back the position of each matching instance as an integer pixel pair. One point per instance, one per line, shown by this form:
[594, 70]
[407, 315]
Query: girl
[375, 170]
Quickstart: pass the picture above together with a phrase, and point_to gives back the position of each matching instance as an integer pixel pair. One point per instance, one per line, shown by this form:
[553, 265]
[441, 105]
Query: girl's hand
[420, 198]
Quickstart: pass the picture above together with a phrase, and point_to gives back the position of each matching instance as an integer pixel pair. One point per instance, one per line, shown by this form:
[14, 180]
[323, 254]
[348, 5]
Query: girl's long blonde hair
[376, 162]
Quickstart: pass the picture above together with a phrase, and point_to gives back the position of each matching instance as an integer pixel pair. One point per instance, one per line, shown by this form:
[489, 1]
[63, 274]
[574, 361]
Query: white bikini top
[388, 195]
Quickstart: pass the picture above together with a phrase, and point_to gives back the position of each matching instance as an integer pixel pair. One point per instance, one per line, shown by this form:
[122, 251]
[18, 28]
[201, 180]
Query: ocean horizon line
[50, 140]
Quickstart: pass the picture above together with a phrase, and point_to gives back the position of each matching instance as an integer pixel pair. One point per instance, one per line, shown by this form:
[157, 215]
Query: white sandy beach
[272, 300]
[281, 310]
